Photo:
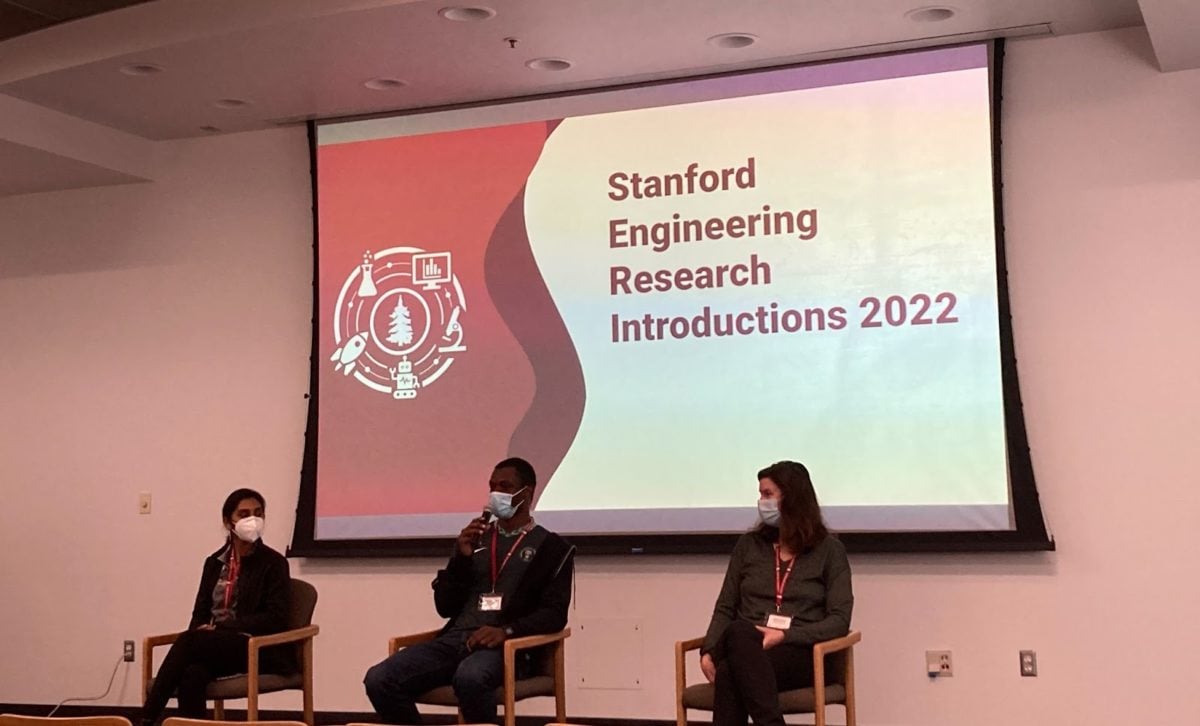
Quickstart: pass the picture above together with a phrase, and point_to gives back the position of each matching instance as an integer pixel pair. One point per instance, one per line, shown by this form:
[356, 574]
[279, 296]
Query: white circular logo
[398, 321]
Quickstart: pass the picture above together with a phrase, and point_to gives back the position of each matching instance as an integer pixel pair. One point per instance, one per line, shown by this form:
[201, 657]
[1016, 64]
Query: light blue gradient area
[900, 172]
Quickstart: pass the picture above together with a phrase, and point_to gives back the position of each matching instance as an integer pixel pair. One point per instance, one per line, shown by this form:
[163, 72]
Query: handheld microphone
[488, 518]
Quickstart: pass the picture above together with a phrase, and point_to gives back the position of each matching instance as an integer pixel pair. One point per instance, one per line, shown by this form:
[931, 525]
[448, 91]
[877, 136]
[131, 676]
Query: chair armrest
[287, 636]
[148, 645]
[512, 645]
[153, 641]
[258, 642]
[403, 641]
[682, 647]
[826, 647]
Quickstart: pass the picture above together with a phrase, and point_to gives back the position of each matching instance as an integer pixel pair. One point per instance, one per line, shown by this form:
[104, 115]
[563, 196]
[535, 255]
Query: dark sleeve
[202, 610]
[550, 615]
[452, 586]
[272, 614]
[727, 601]
[839, 602]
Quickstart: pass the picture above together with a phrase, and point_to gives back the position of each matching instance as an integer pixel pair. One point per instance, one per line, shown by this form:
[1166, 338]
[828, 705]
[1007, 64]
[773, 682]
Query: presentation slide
[652, 293]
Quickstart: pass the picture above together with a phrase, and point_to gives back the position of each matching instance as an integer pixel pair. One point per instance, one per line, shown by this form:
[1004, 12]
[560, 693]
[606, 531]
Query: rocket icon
[348, 354]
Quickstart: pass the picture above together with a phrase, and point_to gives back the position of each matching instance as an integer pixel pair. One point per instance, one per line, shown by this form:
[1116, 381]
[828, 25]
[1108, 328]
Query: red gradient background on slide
[459, 192]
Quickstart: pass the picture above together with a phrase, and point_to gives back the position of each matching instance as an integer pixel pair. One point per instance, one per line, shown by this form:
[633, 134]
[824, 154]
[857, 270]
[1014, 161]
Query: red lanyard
[511, 550]
[235, 565]
[781, 582]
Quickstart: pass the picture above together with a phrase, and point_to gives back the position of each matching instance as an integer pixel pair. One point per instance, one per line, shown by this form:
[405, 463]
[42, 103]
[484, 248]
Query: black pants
[749, 678]
[194, 661]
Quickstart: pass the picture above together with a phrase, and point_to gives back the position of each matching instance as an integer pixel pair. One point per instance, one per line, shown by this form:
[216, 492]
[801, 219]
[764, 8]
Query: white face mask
[501, 504]
[249, 529]
[768, 512]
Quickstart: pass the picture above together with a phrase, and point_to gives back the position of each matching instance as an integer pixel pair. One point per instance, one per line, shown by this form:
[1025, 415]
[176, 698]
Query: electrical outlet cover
[939, 664]
[1029, 663]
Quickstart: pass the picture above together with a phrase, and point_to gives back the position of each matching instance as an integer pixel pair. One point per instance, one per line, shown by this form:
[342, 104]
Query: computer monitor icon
[431, 270]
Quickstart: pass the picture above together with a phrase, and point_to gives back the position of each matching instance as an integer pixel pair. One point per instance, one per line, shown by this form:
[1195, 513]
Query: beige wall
[156, 339]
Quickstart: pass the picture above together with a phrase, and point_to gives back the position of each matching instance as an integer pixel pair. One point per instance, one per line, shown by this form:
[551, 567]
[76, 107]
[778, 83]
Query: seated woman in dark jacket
[787, 587]
[244, 590]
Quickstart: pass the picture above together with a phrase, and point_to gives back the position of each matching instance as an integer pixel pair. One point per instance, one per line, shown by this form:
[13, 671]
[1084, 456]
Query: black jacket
[538, 604]
[264, 601]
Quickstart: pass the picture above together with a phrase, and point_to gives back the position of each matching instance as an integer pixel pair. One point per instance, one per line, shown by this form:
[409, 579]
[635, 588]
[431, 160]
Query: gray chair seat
[526, 688]
[233, 687]
[800, 700]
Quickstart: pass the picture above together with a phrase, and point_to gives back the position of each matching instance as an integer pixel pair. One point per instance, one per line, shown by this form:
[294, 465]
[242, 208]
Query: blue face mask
[501, 504]
[768, 512]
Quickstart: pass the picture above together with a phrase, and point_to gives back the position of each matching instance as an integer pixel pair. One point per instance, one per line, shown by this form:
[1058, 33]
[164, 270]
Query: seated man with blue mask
[507, 578]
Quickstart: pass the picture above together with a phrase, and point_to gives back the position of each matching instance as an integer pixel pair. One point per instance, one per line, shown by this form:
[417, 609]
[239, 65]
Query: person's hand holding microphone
[471, 535]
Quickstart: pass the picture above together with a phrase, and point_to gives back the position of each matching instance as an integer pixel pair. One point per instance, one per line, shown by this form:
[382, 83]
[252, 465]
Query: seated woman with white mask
[244, 590]
[786, 588]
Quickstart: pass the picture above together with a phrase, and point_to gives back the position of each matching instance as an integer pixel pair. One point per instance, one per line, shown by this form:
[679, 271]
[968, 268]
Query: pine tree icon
[400, 332]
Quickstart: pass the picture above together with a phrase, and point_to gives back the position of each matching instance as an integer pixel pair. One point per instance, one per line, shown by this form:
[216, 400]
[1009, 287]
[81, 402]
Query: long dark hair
[801, 526]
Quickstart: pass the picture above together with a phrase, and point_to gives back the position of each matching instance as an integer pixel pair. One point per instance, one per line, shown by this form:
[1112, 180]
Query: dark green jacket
[817, 594]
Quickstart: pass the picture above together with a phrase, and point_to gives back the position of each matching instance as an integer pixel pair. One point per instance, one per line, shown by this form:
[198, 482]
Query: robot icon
[398, 321]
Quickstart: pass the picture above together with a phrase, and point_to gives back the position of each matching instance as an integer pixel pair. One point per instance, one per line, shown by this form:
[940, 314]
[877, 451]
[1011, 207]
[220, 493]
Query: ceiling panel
[24, 170]
[316, 66]
[67, 9]
[16, 21]
[18, 17]
[1175, 27]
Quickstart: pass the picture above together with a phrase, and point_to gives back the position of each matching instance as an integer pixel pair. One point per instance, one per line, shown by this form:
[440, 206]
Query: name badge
[776, 621]
[490, 602]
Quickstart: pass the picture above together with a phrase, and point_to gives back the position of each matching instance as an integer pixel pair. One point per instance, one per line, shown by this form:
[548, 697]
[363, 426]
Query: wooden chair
[549, 677]
[814, 700]
[300, 632]
[9, 719]
[180, 721]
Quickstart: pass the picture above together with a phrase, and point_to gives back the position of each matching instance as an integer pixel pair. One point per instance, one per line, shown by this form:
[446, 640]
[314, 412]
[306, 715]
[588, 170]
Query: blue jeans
[394, 684]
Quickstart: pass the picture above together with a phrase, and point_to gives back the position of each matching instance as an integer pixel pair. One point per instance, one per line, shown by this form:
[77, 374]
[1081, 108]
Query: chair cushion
[235, 686]
[800, 700]
[526, 688]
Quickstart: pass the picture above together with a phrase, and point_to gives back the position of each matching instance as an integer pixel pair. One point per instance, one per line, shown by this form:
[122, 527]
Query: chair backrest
[304, 602]
[835, 667]
[9, 719]
[543, 660]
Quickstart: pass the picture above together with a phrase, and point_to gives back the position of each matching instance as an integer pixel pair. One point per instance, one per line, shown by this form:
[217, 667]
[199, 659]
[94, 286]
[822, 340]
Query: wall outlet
[938, 664]
[144, 503]
[1029, 663]
[128, 650]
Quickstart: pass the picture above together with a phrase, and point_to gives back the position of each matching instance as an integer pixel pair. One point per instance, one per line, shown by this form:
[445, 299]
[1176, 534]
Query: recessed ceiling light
[733, 40]
[210, 129]
[141, 69]
[231, 103]
[931, 14]
[385, 84]
[465, 14]
[548, 64]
